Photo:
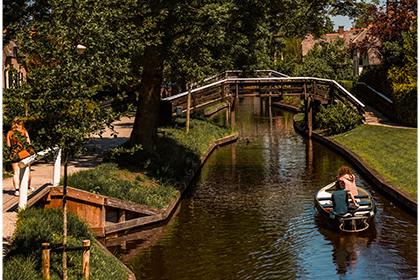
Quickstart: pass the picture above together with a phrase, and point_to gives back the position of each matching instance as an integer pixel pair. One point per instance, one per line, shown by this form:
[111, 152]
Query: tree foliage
[404, 80]
[177, 40]
[327, 60]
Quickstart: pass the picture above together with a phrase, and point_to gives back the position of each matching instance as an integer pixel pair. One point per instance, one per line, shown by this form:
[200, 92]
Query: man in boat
[340, 199]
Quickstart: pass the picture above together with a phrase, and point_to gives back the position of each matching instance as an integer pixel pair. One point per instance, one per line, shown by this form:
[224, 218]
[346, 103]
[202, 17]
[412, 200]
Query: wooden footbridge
[231, 85]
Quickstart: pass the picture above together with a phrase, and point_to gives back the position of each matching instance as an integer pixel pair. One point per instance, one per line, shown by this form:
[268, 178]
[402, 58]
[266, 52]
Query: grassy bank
[391, 151]
[150, 178]
[36, 226]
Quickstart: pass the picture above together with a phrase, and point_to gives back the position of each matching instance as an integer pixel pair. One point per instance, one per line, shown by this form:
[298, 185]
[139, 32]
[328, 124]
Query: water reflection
[347, 248]
[250, 215]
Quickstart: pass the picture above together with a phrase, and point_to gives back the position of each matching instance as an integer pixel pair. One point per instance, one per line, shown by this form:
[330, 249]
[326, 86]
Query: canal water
[250, 215]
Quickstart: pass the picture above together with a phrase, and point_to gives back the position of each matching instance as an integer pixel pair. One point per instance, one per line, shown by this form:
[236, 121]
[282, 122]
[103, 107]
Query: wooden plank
[131, 206]
[44, 192]
[133, 223]
[98, 231]
[79, 194]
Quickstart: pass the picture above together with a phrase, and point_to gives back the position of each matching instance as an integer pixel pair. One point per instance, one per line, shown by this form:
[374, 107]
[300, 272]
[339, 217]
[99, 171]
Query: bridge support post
[310, 112]
[188, 109]
[232, 113]
[23, 187]
[308, 108]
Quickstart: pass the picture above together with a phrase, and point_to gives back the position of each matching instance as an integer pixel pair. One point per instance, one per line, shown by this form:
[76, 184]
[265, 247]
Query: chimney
[341, 31]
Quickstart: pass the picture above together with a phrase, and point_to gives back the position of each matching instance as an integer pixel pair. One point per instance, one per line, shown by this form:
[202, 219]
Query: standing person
[14, 140]
[349, 179]
[340, 199]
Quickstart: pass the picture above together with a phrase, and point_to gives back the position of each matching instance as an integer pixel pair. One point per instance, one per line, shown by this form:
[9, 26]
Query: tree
[61, 95]
[403, 79]
[202, 38]
[327, 60]
[388, 23]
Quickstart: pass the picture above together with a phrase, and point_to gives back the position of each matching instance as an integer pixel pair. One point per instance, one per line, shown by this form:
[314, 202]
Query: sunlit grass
[391, 151]
[150, 178]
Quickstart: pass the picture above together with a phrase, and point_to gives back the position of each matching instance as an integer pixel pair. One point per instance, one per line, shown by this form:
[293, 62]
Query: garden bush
[335, 119]
[36, 226]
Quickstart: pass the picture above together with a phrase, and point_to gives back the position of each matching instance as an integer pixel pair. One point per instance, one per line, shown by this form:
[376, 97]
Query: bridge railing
[325, 90]
[24, 166]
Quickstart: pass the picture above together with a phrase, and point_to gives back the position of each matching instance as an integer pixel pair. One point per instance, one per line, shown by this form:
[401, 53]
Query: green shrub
[20, 268]
[36, 226]
[405, 105]
[6, 153]
[335, 119]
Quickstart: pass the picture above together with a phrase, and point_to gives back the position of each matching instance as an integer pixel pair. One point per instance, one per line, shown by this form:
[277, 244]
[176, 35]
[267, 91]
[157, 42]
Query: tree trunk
[147, 116]
[66, 161]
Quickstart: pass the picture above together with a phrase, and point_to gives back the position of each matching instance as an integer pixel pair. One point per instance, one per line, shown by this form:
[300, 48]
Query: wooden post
[86, 256]
[23, 186]
[57, 168]
[46, 260]
[331, 94]
[121, 215]
[232, 113]
[310, 106]
[188, 109]
[306, 103]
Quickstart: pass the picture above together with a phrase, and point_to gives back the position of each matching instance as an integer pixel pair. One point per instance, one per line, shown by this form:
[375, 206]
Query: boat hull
[359, 221]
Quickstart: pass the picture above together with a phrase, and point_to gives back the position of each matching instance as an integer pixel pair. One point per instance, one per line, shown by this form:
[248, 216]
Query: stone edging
[395, 193]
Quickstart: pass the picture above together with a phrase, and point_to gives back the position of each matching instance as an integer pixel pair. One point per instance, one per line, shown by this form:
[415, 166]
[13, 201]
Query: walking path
[374, 117]
[42, 173]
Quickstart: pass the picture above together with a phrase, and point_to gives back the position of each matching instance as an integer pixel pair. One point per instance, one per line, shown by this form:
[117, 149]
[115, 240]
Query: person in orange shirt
[349, 179]
[18, 131]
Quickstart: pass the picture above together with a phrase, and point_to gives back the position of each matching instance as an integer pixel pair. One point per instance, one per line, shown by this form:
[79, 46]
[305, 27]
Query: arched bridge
[230, 85]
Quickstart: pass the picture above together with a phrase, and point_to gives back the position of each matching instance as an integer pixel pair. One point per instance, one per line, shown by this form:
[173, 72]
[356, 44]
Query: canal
[250, 215]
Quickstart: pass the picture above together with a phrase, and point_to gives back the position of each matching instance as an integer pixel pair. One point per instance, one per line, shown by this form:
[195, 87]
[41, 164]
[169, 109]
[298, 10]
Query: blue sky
[345, 21]
[341, 21]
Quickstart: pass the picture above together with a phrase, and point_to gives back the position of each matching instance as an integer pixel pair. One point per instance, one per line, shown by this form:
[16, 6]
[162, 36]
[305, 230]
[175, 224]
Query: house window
[6, 79]
[20, 78]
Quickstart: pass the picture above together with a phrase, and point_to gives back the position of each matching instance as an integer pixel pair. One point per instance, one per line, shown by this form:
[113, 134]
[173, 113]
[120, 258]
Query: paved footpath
[42, 173]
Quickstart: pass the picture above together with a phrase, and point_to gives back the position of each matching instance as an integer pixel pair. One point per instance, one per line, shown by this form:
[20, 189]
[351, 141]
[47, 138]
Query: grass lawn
[391, 151]
[36, 226]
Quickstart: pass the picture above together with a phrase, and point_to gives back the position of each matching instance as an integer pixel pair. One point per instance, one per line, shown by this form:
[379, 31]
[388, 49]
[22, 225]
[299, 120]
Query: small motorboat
[350, 222]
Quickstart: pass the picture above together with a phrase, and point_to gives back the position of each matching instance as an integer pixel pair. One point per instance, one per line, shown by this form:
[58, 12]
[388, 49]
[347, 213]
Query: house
[361, 59]
[10, 57]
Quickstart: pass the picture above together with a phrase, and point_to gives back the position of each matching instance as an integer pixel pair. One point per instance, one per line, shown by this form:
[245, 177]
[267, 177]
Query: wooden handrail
[38, 156]
[24, 165]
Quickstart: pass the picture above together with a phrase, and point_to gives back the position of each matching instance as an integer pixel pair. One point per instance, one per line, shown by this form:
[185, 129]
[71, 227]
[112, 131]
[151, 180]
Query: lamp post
[80, 50]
